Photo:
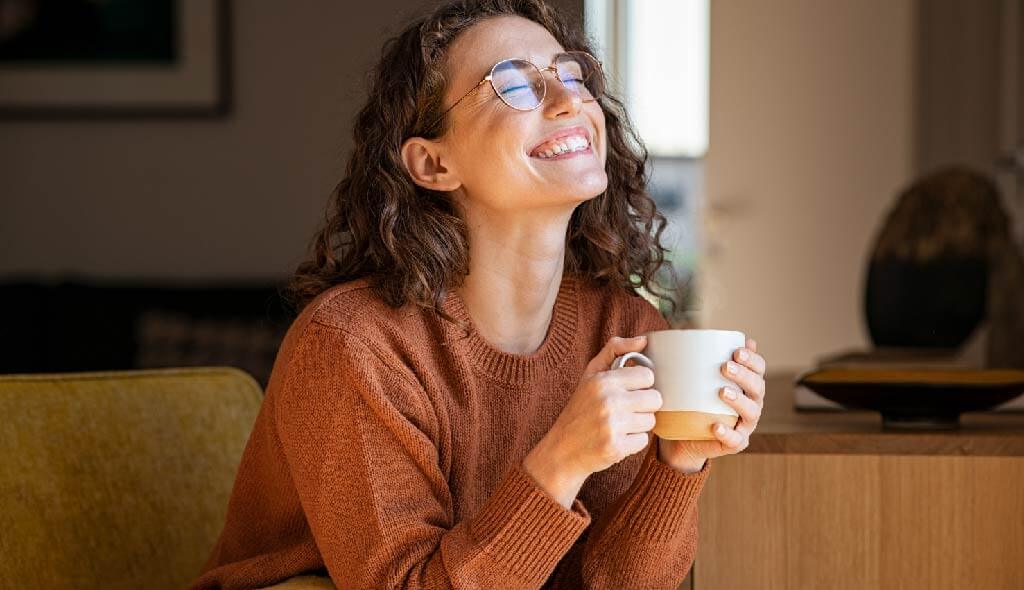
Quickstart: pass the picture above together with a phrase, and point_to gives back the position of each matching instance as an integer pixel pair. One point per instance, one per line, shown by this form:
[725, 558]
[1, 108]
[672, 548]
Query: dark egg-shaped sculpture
[928, 275]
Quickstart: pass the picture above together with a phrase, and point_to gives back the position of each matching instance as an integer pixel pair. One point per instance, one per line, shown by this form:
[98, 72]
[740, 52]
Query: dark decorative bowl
[916, 399]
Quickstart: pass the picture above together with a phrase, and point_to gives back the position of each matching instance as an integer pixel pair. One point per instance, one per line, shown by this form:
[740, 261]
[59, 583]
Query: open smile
[565, 143]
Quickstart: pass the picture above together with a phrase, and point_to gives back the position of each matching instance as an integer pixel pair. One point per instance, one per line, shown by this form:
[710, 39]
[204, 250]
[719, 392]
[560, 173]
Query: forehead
[478, 48]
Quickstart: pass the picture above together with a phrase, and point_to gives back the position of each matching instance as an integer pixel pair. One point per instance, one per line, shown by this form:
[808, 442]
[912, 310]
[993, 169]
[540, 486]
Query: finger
[732, 440]
[630, 378]
[745, 428]
[636, 442]
[640, 422]
[749, 381]
[752, 344]
[644, 400]
[615, 347]
[750, 359]
[748, 409]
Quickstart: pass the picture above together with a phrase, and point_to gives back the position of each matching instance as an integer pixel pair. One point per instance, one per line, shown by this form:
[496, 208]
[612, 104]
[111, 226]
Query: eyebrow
[537, 62]
[548, 60]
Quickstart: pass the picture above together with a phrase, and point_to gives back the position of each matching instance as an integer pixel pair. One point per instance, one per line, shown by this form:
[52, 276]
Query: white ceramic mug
[687, 367]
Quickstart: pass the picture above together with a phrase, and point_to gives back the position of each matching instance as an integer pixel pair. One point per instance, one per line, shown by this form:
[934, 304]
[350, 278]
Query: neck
[515, 270]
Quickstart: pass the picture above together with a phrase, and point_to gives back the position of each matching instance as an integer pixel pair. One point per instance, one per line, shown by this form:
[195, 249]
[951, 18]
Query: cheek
[496, 148]
[490, 157]
[493, 126]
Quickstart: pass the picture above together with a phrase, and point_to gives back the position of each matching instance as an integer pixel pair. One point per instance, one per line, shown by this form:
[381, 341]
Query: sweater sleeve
[360, 439]
[648, 537]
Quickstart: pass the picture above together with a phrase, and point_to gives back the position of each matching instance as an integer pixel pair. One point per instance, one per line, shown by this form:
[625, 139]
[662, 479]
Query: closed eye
[510, 89]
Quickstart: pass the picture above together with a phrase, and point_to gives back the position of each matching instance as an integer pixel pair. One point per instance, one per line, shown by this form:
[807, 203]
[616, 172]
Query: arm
[648, 537]
[360, 439]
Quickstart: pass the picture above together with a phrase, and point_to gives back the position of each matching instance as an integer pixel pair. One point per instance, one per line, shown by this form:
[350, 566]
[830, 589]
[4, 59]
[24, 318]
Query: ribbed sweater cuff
[662, 497]
[526, 529]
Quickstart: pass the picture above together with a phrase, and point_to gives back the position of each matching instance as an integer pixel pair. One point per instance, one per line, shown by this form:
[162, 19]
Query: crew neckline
[511, 367]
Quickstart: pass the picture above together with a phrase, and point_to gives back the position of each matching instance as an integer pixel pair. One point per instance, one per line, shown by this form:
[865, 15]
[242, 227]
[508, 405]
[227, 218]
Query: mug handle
[636, 356]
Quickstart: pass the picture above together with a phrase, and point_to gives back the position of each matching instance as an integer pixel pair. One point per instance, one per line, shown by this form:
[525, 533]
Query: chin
[590, 186]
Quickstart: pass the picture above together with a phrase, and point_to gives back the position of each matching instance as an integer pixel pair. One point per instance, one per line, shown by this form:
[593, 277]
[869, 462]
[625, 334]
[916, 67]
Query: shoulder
[350, 330]
[349, 347]
[352, 313]
[356, 308]
[340, 304]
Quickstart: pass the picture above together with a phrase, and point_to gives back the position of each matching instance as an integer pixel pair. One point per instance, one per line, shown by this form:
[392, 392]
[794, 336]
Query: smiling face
[510, 160]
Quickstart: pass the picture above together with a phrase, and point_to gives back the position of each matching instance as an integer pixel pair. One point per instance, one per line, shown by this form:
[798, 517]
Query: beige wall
[811, 137]
[957, 105]
[232, 198]
[237, 197]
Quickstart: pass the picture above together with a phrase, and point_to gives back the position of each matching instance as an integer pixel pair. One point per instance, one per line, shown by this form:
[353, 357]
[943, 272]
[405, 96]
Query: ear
[428, 166]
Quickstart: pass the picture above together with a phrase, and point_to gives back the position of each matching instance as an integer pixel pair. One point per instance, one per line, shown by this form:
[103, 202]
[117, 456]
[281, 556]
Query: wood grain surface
[791, 521]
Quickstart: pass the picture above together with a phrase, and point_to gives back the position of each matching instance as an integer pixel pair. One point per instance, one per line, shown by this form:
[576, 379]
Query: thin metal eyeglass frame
[551, 68]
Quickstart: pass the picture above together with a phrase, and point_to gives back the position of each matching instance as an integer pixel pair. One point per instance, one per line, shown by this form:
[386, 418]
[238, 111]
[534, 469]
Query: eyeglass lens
[521, 86]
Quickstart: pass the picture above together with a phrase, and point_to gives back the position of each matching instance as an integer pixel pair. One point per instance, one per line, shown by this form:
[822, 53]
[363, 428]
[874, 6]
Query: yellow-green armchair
[120, 479]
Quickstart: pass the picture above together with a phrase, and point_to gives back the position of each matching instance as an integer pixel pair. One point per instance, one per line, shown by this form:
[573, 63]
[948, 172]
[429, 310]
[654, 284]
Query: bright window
[657, 54]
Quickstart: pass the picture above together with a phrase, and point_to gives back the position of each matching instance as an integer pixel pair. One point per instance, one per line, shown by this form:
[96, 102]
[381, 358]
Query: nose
[560, 100]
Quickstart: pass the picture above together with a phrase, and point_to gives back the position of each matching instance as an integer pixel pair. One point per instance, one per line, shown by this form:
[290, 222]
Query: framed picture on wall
[114, 58]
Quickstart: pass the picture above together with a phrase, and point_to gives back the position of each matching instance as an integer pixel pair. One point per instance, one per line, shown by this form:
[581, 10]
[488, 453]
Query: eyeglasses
[520, 84]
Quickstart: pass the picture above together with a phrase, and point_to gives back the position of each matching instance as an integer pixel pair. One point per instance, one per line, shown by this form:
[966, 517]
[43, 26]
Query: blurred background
[163, 166]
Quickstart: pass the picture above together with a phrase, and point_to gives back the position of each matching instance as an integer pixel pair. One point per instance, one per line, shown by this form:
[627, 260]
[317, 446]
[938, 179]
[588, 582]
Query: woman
[442, 413]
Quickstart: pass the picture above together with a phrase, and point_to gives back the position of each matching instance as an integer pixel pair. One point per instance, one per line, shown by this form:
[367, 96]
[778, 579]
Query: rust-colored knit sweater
[388, 454]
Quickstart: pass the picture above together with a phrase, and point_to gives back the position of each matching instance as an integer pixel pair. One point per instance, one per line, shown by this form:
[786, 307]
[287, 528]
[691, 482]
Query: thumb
[616, 346]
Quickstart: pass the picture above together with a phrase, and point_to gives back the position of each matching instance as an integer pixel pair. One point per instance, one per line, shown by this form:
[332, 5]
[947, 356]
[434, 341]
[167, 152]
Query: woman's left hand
[689, 455]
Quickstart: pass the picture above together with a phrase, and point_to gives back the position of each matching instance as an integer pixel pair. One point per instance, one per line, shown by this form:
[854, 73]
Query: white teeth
[574, 144]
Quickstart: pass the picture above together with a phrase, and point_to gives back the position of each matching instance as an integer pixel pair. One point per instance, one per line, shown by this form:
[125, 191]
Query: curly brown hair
[409, 241]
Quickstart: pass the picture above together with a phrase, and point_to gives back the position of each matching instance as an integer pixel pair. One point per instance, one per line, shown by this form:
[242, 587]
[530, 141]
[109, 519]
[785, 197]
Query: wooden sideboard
[828, 499]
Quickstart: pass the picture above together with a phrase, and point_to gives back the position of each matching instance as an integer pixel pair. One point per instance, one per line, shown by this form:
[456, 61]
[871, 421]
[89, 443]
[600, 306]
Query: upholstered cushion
[118, 479]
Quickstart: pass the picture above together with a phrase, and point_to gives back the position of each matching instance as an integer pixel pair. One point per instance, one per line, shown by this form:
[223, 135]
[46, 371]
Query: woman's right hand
[608, 418]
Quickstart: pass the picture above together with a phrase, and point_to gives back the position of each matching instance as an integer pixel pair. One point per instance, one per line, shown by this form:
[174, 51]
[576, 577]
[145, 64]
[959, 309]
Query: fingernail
[731, 368]
[729, 393]
[719, 429]
[743, 355]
